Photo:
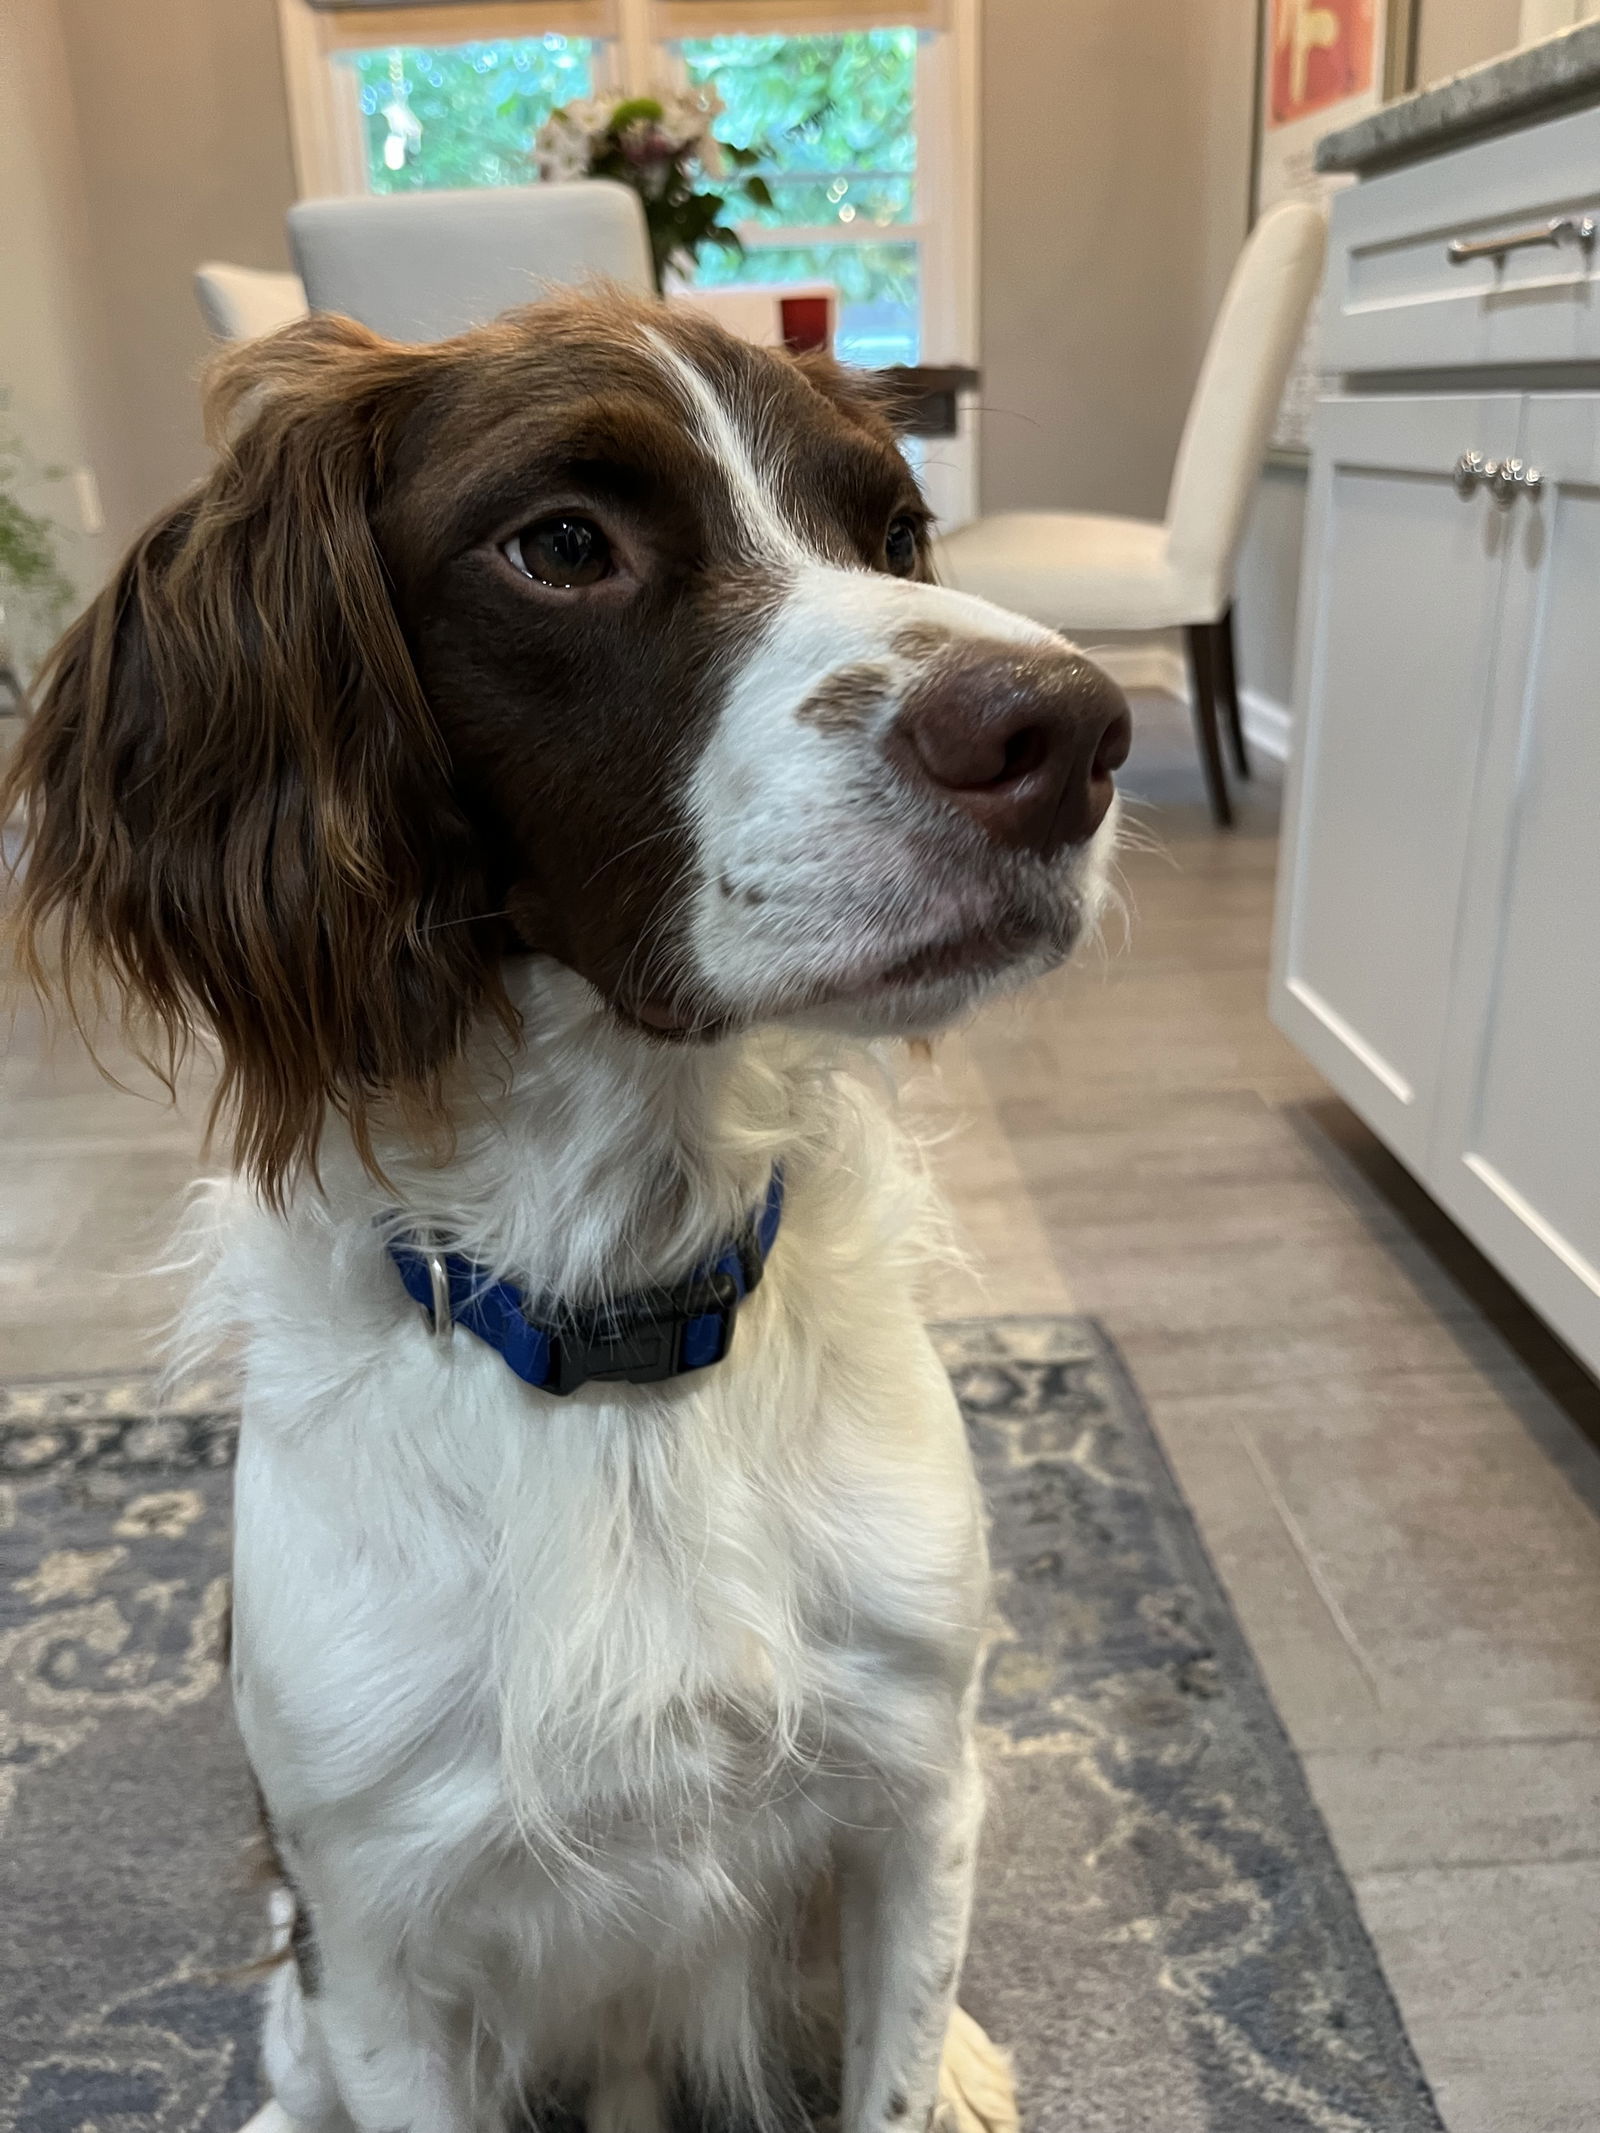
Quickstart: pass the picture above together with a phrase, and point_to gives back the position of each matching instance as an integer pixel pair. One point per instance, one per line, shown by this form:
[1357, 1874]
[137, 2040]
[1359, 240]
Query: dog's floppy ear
[239, 806]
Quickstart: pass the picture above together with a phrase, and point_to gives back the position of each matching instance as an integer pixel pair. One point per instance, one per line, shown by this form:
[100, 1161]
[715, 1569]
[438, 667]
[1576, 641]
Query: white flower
[560, 165]
[563, 146]
[688, 116]
[570, 139]
[594, 112]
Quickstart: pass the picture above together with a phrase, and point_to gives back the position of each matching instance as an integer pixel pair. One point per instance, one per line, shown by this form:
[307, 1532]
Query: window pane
[812, 203]
[879, 289]
[838, 111]
[463, 114]
[835, 120]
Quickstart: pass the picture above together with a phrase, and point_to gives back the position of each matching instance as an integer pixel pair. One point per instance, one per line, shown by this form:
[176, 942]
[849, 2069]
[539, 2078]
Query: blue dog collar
[642, 1339]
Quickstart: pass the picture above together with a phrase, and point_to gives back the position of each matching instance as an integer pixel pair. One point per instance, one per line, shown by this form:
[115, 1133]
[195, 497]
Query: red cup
[807, 323]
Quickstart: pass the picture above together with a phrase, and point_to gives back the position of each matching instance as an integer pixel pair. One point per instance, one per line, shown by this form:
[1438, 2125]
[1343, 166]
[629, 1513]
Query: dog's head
[595, 633]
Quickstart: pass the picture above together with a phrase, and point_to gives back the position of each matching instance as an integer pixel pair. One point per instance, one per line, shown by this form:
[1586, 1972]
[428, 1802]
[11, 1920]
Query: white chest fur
[593, 1685]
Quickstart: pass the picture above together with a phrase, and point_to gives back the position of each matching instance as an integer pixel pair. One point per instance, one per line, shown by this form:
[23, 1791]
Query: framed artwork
[1320, 65]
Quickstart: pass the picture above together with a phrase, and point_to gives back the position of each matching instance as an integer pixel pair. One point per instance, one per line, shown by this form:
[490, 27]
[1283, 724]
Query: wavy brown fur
[239, 805]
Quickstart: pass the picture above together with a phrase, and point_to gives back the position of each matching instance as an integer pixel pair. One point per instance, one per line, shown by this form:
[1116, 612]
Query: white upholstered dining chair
[1079, 572]
[238, 303]
[422, 266]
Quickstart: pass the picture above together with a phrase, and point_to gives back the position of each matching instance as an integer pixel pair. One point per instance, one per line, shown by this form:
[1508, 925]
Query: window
[836, 115]
[836, 119]
[460, 114]
[866, 136]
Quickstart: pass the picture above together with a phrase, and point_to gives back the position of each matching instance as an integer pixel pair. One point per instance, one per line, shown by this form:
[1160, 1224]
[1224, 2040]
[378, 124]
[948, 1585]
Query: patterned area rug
[1163, 1935]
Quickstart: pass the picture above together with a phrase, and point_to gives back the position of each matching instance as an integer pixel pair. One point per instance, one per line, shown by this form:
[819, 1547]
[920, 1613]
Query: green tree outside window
[834, 116]
[465, 114]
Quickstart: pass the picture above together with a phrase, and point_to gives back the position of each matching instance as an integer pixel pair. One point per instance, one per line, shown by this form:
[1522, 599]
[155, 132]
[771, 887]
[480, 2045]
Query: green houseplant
[34, 591]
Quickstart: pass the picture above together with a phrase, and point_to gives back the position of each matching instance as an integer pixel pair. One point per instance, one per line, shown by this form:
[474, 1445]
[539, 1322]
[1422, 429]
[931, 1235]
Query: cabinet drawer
[1396, 300]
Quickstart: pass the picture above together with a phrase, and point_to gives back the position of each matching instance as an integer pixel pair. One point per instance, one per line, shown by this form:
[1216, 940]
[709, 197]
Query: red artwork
[1323, 52]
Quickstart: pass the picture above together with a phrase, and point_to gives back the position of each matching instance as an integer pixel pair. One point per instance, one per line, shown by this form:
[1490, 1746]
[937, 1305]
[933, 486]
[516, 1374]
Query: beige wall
[1547, 18]
[49, 336]
[1452, 34]
[184, 142]
[1115, 178]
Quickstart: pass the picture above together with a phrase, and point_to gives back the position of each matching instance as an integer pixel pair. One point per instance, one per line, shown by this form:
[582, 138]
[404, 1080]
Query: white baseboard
[1267, 724]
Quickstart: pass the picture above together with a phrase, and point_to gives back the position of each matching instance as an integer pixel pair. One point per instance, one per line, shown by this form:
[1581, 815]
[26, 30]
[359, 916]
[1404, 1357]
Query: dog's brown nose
[1025, 743]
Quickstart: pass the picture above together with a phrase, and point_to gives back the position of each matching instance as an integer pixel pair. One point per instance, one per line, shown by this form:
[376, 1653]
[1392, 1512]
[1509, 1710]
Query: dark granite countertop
[1558, 74]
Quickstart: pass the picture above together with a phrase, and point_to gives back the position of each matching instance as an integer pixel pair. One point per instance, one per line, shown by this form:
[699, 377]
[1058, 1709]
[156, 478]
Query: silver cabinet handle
[1469, 471]
[1558, 230]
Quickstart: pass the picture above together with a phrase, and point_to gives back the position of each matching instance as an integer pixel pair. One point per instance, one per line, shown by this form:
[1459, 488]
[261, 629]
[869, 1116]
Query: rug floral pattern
[1163, 1934]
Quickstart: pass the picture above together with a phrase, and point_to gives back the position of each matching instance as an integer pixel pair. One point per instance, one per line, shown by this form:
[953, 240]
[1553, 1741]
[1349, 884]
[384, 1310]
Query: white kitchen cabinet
[1515, 1151]
[1437, 950]
[1397, 642]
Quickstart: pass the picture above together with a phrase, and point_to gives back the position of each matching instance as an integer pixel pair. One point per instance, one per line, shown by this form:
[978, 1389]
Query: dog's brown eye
[561, 552]
[900, 546]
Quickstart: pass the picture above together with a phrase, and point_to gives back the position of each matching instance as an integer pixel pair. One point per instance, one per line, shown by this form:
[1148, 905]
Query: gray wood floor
[1391, 1464]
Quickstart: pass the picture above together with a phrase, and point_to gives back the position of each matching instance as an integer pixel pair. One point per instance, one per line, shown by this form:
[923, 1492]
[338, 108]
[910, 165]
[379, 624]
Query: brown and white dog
[542, 763]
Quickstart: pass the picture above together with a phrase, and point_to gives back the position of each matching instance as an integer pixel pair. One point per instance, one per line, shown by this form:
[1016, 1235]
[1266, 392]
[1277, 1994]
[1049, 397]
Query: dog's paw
[976, 2090]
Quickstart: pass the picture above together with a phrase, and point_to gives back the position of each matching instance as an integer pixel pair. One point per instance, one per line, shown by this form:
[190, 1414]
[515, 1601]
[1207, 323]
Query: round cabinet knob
[1469, 471]
[1509, 477]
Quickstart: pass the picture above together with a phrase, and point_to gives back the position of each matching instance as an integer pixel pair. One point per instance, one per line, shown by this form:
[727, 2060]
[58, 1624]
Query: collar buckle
[647, 1345]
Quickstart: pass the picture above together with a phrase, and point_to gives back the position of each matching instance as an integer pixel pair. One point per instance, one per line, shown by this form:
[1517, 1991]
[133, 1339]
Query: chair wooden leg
[1203, 691]
[1228, 692]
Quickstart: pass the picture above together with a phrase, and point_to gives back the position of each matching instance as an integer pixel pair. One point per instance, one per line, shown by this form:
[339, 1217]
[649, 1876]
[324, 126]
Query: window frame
[329, 154]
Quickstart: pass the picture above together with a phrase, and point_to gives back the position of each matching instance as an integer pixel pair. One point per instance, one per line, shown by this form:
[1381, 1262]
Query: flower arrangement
[664, 148]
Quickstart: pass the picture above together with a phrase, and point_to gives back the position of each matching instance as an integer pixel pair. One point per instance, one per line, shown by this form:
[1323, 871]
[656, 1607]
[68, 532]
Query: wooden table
[925, 398]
